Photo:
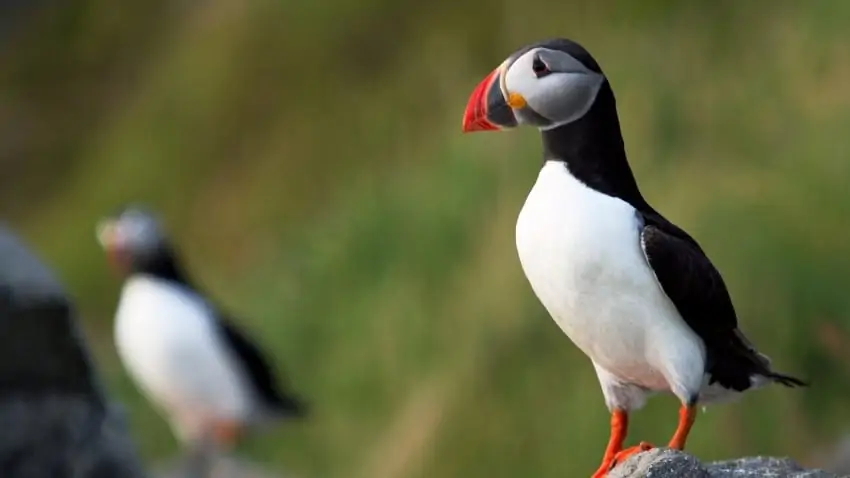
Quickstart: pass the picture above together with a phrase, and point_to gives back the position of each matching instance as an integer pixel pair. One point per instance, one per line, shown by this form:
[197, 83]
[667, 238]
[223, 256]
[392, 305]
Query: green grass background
[307, 157]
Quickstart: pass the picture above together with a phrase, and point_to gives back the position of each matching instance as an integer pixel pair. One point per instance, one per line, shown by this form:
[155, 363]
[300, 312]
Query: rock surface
[666, 463]
[222, 467]
[55, 418]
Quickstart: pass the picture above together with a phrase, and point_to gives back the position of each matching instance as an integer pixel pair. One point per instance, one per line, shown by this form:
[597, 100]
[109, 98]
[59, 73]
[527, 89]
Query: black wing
[697, 290]
[259, 371]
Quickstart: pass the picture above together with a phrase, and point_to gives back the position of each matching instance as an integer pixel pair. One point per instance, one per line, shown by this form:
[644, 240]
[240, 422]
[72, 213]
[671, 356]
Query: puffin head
[131, 237]
[547, 84]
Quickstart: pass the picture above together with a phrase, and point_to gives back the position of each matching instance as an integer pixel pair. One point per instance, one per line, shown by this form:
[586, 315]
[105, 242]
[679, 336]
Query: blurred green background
[307, 158]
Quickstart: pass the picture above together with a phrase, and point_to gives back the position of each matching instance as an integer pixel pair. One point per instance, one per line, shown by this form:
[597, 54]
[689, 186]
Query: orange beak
[475, 116]
[490, 107]
[110, 239]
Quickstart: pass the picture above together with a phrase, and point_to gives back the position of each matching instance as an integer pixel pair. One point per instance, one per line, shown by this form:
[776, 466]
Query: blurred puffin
[183, 352]
[632, 290]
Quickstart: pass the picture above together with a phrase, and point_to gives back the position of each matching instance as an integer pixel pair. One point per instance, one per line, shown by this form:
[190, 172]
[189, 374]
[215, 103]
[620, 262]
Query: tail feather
[763, 362]
[786, 380]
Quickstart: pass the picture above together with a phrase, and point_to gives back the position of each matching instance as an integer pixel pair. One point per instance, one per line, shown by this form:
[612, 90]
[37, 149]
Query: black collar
[162, 264]
[593, 150]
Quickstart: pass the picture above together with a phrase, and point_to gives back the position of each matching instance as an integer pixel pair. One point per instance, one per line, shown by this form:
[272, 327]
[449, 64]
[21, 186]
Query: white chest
[169, 344]
[154, 322]
[580, 251]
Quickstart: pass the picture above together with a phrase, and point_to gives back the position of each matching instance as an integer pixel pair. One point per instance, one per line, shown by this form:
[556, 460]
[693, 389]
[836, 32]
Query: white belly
[170, 346]
[580, 250]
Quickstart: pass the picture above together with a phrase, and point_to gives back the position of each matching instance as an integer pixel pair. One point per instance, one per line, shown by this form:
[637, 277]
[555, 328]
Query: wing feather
[700, 295]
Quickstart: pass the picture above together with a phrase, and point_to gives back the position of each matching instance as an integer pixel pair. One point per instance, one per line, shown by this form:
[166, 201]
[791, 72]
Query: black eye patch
[539, 67]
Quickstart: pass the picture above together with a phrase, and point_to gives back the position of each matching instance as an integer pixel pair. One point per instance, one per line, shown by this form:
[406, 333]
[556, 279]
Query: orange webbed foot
[227, 433]
[620, 457]
[625, 454]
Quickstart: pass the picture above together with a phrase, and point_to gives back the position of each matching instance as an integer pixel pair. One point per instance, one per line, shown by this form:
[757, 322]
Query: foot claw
[625, 454]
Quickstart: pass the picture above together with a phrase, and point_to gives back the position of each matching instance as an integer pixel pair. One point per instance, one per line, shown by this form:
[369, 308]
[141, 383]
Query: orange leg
[227, 433]
[614, 452]
[687, 416]
[619, 429]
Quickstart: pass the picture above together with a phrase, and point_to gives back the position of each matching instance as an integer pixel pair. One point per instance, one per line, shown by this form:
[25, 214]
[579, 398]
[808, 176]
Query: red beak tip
[475, 115]
[464, 128]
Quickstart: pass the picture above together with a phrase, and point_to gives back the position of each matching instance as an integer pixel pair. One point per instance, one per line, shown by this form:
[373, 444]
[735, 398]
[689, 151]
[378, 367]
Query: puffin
[633, 291]
[209, 379]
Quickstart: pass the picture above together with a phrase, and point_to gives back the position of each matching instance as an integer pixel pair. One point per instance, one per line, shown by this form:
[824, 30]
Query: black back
[164, 265]
[260, 372]
[161, 263]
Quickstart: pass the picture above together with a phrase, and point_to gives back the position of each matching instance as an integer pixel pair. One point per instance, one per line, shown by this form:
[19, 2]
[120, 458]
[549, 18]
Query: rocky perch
[56, 418]
[666, 463]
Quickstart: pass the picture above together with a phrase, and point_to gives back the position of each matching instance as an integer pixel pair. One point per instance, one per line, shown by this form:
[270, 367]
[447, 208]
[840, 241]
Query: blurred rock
[222, 467]
[666, 463]
[54, 417]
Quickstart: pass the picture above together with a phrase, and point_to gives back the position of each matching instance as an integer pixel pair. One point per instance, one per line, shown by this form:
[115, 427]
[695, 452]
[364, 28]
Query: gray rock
[757, 466]
[54, 417]
[666, 463]
[660, 463]
[222, 466]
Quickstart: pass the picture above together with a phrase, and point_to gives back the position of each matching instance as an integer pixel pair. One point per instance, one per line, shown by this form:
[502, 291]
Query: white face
[133, 231]
[556, 88]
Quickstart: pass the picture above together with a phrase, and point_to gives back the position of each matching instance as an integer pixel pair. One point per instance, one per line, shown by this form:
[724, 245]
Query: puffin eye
[539, 68]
